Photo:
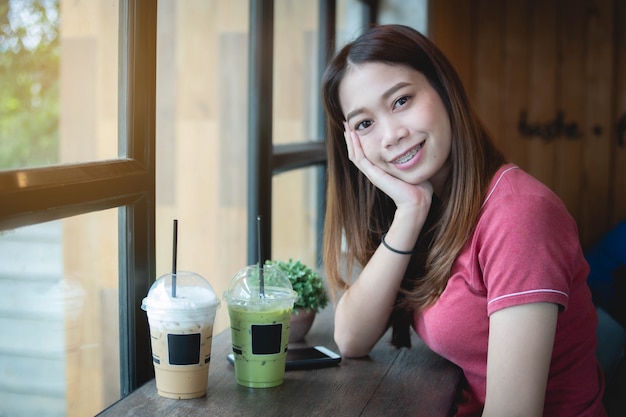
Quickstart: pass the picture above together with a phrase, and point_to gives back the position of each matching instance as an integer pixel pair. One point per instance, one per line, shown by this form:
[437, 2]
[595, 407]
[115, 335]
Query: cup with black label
[260, 301]
[181, 311]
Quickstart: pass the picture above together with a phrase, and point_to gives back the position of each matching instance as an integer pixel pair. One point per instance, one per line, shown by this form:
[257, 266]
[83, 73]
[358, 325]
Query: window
[59, 95]
[203, 124]
[59, 351]
[77, 208]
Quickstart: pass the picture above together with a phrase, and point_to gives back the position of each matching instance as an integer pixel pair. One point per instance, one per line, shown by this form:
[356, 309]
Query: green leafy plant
[306, 282]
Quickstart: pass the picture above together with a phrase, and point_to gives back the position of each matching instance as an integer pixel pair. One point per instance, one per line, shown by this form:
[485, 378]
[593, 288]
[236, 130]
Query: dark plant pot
[300, 324]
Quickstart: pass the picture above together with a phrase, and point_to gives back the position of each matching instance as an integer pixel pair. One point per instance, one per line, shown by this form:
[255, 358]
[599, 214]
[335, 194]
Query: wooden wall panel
[571, 102]
[515, 80]
[618, 166]
[488, 62]
[542, 87]
[547, 77]
[454, 35]
[599, 83]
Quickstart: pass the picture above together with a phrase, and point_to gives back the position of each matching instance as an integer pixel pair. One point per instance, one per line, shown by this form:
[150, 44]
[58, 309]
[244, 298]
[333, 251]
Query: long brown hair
[360, 213]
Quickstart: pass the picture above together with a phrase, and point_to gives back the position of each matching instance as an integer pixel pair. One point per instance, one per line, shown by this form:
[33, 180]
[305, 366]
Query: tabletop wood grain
[388, 382]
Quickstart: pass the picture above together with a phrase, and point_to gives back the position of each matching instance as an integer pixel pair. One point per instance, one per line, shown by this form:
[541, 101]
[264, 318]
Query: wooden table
[389, 382]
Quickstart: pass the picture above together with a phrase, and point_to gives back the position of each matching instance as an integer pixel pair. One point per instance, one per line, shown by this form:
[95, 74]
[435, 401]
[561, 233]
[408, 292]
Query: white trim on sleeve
[516, 294]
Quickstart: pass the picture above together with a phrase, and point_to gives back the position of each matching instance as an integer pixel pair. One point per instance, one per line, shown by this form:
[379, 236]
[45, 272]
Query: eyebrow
[385, 96]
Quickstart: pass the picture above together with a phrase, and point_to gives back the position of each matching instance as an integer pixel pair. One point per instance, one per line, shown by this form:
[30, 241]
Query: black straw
[261, 261]
[174, 252]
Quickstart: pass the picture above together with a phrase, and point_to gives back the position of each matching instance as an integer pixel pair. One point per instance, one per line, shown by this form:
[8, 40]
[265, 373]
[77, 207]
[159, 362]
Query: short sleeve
[529, 251]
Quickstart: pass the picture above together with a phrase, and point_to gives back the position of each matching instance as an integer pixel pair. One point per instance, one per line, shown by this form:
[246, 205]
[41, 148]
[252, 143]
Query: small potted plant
[312, 296]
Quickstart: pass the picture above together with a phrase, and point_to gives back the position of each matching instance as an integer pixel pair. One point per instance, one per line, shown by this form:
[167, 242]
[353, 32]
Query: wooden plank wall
[549, 80]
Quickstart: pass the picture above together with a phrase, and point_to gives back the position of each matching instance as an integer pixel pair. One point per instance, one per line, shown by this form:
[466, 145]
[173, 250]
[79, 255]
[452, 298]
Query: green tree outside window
[29, 73]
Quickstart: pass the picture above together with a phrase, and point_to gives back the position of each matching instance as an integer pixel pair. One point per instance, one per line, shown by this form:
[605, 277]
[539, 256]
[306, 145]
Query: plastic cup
[181, 333]
[259, 322]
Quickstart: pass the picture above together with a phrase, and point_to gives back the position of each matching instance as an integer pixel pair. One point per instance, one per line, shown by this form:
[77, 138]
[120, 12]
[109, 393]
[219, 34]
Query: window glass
[201, 134]
[295, 78]
[295, 208]
[350, 15]
[411, 13]
[350, 23]
[296, 103]
[58, 64]
[59, 350]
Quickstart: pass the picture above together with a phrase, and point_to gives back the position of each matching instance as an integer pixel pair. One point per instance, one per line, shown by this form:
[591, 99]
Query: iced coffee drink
[181, 331]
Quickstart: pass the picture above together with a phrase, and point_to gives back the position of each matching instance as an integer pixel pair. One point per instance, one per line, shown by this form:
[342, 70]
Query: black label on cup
[184, 349]
[266, 339]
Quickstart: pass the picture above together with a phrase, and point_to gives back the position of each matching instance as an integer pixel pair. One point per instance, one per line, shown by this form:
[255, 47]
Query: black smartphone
[306, 357]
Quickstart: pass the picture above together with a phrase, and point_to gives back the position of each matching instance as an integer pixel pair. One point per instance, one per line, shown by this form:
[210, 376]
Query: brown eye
[401, 101]
[363, 125]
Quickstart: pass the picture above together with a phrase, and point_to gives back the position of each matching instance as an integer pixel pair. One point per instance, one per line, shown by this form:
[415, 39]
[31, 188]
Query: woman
[481, 259]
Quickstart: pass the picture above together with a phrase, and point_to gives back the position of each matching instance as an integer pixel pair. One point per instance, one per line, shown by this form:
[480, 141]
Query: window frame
[264, 158]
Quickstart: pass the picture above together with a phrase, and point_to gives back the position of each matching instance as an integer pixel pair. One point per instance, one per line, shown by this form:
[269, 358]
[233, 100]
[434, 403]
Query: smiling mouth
[409, 155]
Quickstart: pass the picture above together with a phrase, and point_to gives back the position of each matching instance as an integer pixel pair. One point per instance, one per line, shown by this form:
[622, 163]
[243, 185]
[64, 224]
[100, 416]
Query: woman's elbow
[349, 346]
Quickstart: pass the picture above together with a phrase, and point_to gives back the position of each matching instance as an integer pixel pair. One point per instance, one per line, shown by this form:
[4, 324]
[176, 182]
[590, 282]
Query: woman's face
[400, 120]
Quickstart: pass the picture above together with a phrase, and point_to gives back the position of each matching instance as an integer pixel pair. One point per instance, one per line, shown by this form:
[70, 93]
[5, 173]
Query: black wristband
[400, 252]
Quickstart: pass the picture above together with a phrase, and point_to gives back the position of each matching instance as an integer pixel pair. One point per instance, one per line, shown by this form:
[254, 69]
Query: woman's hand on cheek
[402, 193]
[358, 158]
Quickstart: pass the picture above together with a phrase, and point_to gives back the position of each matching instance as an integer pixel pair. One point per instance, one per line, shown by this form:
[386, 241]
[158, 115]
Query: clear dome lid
[192, 292]
[249, 287]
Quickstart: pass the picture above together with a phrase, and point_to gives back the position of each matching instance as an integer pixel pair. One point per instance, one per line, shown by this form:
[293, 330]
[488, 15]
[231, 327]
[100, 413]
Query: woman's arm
[362, 314]
[521, 339]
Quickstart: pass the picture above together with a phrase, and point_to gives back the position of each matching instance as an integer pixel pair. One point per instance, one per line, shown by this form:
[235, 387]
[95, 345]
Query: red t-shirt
[525, 249]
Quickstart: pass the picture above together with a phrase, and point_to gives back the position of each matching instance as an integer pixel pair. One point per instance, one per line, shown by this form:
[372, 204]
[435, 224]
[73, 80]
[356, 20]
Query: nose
[393, 131]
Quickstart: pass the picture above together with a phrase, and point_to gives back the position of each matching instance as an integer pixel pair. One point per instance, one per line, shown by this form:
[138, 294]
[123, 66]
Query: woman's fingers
[355, 150]
[352, 143]
[357, 156]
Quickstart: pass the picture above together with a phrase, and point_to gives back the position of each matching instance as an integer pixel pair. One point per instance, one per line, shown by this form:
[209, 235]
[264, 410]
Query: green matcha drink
[259, 344]
[259, 323]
